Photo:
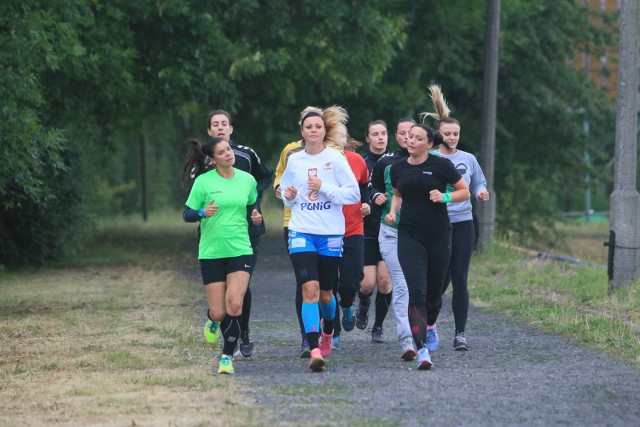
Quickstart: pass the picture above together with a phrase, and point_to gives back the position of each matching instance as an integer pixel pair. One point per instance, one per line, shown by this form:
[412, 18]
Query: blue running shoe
[432, 339]
[336, 342]
[423, 359]
[348, 319]
[211, 331]
[305, 350]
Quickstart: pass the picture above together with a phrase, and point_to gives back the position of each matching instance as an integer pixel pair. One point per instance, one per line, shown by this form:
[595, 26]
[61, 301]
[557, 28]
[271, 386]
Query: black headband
[311, 114]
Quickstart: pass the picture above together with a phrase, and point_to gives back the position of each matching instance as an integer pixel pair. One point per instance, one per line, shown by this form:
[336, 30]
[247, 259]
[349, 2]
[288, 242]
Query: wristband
[201, 213]
[446, 197]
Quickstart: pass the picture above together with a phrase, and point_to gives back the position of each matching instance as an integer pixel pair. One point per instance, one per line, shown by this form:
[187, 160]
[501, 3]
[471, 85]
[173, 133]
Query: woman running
[351, 272]
[316, 183]
[287, 151]
[220, 199]
[460, 215]
[375, 269]
[424, 232]
[382, 193]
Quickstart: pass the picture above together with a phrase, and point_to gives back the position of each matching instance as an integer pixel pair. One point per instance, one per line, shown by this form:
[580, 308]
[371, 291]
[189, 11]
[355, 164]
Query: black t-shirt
[418, 214]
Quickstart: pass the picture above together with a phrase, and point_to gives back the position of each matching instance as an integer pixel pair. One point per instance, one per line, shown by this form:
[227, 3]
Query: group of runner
[397, 221]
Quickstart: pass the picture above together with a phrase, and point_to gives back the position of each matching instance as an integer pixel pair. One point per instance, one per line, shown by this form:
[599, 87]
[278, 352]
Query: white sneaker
[407, 349]
[424, 359]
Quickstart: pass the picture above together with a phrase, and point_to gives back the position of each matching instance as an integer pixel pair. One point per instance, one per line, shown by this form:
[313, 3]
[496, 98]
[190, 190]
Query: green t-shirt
[226, 234]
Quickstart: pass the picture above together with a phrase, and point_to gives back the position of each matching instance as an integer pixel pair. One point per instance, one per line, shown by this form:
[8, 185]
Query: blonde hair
[352, 144]
[439, 104]
[308, 110]
[332, 117]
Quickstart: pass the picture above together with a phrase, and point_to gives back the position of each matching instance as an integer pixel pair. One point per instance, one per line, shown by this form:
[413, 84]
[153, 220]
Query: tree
[81, 81]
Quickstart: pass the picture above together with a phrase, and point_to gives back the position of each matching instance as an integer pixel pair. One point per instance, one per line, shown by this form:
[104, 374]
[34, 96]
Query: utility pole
[624, 235]
[143, 177]
[487, 210]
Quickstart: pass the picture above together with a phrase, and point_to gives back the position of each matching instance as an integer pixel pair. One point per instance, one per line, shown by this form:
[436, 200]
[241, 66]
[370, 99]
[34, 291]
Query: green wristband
[446, 197]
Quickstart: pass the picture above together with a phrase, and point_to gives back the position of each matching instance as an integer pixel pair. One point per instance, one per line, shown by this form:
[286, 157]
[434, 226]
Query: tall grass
[559, 297]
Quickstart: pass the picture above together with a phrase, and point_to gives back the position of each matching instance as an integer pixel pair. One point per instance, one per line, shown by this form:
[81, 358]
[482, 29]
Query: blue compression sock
[311, 317]
[329, 310]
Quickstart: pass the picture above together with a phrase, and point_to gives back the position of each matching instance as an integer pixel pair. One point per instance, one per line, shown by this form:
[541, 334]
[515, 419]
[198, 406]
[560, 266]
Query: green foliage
[30, 152]
[93, 78]
[41, 210]
[45, 230]
[543, 107]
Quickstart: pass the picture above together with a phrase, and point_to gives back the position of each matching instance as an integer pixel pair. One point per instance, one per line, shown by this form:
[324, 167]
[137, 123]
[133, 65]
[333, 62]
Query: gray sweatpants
[388, 239]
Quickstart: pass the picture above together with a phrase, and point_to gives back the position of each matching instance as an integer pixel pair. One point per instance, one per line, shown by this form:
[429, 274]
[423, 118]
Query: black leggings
[351, 269]
[246, 302]
[424, 260]
[350, 275]
[462, 242]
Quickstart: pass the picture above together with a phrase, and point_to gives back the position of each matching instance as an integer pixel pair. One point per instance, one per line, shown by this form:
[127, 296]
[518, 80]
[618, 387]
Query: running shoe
[424, 359]
[326, 344]
[348, 319]
[305, 350]
[226, 365]
[316, 361]
[362, 316]
[336, 342]
[432, 339]
[460, 342]
[211, 331]
[246, 346]
[407, 349]
[376, 334]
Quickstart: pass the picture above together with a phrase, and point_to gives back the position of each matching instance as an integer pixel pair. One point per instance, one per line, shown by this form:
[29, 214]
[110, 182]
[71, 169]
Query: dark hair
[431, 134]
[438, 140]
[215, 113]
[407, 119]
[310, 114]
[196, 160]
[373, 123]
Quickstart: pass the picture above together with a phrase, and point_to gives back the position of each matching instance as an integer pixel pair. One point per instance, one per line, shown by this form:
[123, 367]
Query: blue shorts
[322, 245]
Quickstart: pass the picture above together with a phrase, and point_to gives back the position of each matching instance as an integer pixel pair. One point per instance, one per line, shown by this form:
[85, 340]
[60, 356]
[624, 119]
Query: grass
[109, 337]
[563, 298]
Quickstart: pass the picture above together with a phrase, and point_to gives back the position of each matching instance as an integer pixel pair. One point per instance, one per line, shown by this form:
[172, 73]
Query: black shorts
[309, 266]
[372, 255]
[216, 270]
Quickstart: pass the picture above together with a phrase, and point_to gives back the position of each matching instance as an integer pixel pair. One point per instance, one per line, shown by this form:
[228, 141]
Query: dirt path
[514, 374]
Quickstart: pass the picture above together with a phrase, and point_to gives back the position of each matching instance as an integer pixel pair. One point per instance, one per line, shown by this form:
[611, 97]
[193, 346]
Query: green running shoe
[211, 331]
[226, 365]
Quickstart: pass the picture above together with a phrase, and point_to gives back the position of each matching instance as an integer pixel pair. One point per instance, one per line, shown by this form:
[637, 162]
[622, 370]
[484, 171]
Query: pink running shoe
[326, 344]
[316, 361]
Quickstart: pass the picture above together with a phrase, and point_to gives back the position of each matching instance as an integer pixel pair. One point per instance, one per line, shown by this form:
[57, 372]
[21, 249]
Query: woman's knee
[417, 296]
[325, 297]
[217, 314]
[384, 283]
[311, 291]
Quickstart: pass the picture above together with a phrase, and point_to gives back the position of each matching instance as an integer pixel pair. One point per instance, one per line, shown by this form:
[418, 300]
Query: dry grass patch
[108, 346]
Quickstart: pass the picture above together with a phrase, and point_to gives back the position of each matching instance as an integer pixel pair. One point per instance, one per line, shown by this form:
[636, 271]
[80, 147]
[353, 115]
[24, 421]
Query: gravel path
[514, 374]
